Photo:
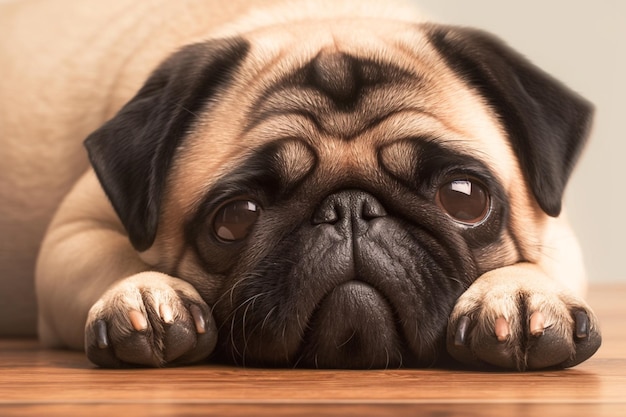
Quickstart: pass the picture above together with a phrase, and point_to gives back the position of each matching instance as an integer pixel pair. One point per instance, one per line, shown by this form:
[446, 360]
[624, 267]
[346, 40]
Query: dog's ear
[547, 123]
[133, 151]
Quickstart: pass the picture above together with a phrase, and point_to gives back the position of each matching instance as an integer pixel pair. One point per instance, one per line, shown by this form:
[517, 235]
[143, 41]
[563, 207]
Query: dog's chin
[354, 327]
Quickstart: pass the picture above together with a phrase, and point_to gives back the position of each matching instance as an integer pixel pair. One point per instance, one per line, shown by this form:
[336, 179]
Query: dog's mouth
[354, 326]
[360, 292]
[370, 320]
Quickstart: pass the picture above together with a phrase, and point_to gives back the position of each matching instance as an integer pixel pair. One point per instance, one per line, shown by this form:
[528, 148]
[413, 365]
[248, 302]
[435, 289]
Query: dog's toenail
[460, 337]
[502, 329]
[198, 319]
[166, 313]
[138, 320]
[102, 337]
[537, 324]
[582, 325]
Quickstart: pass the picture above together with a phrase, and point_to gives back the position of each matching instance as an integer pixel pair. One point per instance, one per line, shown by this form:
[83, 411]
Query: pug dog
[327, 185]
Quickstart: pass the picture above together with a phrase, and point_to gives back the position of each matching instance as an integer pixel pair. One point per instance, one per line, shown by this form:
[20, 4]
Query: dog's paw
[521, 320]
[149, 319]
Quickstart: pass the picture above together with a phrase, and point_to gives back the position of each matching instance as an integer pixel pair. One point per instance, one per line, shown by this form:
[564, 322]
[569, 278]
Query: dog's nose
[350, 208]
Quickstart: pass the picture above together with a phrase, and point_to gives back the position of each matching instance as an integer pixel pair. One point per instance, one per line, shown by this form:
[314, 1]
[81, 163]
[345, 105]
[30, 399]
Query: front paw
[519, 319]
[149, 319]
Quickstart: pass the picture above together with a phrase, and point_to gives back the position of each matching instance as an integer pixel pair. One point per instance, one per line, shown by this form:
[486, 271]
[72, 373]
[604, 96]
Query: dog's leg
[95, 293]
[528, 315]
[518, 318]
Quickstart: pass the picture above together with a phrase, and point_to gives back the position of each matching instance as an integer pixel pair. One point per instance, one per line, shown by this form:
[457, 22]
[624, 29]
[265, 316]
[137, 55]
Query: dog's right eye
[234, 220]
[466, 201]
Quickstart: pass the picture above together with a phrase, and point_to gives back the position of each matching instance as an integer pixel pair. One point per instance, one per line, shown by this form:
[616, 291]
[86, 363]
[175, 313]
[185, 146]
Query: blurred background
[583, 44]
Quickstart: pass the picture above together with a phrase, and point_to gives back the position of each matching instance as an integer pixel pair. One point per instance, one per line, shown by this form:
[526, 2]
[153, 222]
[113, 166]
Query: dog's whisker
[233, 344]
[267, 316]
[387, 358]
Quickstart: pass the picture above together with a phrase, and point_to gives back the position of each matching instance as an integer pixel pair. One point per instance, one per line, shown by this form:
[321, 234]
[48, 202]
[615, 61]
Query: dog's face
[332, 197]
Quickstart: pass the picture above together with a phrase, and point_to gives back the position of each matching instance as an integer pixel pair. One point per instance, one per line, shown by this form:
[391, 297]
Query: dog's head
[332, 196]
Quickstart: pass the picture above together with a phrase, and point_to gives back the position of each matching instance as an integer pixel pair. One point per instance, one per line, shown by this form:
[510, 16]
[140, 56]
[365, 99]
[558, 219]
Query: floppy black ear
[546, 122]
[133, 151]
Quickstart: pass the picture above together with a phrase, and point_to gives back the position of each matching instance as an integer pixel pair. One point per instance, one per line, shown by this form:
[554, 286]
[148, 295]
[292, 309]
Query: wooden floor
[35, 382]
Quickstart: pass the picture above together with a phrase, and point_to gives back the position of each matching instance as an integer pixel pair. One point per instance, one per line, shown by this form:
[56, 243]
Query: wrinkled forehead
[341, 94]
[342, 79]
[345, 90]
[351, 69]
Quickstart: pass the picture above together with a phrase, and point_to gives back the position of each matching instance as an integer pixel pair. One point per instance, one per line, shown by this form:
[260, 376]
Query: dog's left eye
[234, 220]
[466, 201]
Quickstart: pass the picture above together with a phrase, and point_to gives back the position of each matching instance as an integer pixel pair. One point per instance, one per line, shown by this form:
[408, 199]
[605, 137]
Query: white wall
[583, 43]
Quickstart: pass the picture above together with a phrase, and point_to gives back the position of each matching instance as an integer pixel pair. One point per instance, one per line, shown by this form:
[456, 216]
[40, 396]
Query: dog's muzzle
[354, 325]
[355, 287]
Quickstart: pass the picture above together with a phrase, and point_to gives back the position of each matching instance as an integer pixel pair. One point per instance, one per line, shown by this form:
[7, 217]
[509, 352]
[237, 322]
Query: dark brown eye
[465, 200]
[234, 220]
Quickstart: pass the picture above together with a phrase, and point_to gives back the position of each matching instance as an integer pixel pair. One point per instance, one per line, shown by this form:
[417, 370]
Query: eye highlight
[234, 220]
[465, 200]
